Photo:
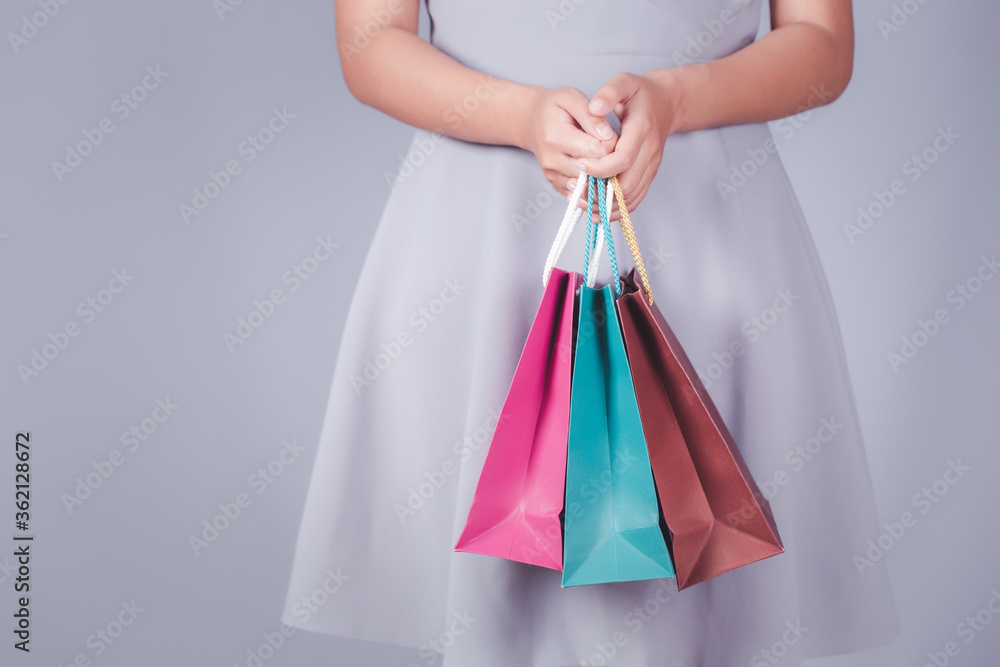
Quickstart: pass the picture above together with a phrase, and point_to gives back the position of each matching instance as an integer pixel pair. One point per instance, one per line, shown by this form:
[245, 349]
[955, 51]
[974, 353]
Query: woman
[512, 100]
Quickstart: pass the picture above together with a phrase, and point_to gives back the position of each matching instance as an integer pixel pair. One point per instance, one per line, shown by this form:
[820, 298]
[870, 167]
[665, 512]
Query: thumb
[618, 90]
[594, 125]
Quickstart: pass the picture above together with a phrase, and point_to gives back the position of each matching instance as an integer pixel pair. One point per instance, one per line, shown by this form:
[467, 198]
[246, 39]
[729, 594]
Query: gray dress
[442, 309]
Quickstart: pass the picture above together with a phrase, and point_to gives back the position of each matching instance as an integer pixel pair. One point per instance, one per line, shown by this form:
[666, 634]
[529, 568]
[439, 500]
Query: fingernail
[604, 131]
[581, 165]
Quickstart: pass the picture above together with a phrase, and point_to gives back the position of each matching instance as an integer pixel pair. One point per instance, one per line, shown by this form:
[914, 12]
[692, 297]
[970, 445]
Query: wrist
[671, 88]
[521, 113]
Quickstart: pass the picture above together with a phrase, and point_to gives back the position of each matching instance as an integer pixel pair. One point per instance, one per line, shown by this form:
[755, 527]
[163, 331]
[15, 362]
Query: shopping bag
[612, 520]
[515, 512]
[714, 510]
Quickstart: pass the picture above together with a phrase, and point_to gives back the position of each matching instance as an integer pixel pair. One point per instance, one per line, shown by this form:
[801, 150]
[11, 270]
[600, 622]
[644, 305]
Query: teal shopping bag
[612, 527]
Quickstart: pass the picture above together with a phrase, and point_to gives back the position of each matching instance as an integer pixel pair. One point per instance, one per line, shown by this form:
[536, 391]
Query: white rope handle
[570, 218]
[595, 258]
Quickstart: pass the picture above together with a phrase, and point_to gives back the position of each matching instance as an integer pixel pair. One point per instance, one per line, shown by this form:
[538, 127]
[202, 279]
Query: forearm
[794, 67]
[411, 80]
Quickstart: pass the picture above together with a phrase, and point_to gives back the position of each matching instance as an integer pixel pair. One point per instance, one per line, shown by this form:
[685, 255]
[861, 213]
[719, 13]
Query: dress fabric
[439, 316]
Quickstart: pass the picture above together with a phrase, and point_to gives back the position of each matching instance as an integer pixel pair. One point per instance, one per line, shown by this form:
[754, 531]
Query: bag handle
[602, 238]
[570, 218]
[630, 238]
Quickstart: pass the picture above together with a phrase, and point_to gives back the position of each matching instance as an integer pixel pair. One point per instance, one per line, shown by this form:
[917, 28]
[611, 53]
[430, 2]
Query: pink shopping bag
[515, 510]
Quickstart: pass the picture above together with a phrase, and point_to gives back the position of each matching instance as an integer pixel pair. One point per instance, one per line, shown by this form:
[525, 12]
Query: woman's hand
[804, 62]
[560, 130]
[646, 108]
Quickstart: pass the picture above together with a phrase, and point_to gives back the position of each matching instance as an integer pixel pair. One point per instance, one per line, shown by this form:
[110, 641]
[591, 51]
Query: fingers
[572, 142]
[634, 197]
[563, 182]
[638, 151]
[575, 103]
[582, 134]
[636, 181]
[615, 93]
[620, 160]
[571, 127]
[565, 134]
[559, 168]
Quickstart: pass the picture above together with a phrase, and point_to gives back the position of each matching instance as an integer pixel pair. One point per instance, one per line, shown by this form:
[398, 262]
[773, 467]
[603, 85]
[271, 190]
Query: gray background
[323, 176]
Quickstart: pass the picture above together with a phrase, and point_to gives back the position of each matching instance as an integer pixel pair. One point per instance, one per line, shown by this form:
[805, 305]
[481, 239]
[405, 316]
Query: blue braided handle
[591, 243]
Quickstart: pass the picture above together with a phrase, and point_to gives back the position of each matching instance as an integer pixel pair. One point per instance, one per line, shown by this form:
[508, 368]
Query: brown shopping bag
[712, 507]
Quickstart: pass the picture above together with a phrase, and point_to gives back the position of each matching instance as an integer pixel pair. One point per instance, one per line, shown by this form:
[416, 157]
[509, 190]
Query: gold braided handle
[630, 238]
